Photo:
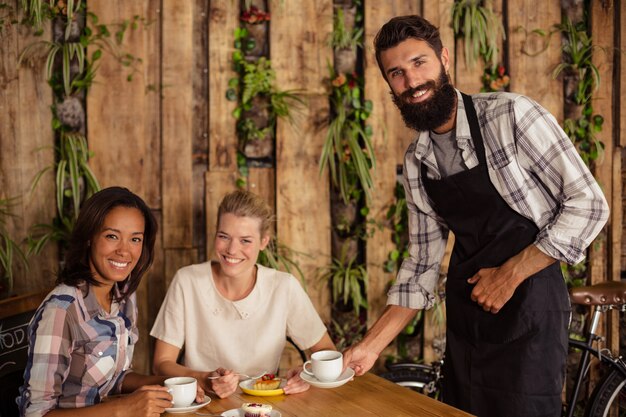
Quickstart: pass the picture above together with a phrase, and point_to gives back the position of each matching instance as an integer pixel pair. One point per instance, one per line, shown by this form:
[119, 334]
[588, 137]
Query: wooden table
[367, 395]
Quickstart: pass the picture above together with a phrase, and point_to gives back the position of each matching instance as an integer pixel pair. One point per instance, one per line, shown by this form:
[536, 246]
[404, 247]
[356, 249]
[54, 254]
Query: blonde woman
[233, 315]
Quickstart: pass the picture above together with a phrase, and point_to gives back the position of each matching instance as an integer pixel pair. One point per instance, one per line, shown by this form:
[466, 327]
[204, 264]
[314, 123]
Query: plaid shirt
[78, 353]
[533, 166]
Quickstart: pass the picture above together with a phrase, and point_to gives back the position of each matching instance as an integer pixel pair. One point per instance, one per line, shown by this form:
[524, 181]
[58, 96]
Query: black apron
[511, 363]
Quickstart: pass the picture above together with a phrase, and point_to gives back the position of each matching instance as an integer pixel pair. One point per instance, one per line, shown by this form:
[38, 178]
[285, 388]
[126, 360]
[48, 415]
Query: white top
[248, 335]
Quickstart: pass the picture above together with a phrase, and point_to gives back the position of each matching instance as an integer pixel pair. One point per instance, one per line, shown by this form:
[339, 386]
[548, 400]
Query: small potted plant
[255, 21]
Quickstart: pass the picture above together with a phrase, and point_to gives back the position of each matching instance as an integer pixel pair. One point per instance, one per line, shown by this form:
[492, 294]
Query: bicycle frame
[587, 348]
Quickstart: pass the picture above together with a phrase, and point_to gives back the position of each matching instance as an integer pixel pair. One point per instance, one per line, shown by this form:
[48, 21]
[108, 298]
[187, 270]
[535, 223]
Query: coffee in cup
[326, 365]
[183, 390]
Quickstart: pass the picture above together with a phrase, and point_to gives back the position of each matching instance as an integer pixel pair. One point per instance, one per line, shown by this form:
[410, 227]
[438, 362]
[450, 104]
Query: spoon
[240, 374]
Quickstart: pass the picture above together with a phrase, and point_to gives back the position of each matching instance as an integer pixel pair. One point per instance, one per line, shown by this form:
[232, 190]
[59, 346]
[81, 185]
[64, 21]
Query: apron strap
[477, 137]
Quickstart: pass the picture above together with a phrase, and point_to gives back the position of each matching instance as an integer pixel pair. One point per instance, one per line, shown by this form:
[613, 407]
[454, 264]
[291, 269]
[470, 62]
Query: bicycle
[608, 398]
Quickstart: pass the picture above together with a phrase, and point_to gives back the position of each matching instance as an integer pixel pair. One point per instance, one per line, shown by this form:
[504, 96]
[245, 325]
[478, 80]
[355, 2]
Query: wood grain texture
[299, 47]
[177, 67]
[367, 396]
[602, 35]
[262, 181]
[223, 19]
[439, 13]
[26, 141]
[303, 197]
[121, 117]
[532, 75]
[390, 140]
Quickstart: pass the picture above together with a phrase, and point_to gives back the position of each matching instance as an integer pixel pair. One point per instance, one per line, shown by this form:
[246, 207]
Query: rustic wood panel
[622, 76]
[176, 259]
[301, 193]
[200, 121]
[390, 140]
[262, 181]
[532, 75]
[602, 35]
[26, 140]
[300, 57]
[119, 130]
[223, 19]
[217, 184]
[615, 245]
[177, 100]
[439, 13]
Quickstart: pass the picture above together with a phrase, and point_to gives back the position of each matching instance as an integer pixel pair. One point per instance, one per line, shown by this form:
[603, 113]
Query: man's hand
[359, 358]
[493, 289]
[495, 286]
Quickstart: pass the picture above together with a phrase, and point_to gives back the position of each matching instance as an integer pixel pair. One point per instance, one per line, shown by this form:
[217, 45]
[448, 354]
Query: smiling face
[238, 242]
[420, 84]
[117, 247]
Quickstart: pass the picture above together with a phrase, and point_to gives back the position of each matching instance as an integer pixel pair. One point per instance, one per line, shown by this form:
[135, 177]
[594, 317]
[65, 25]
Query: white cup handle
[306, 371]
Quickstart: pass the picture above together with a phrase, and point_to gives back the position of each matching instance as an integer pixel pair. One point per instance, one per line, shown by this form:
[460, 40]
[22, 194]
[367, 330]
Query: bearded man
[498, 171]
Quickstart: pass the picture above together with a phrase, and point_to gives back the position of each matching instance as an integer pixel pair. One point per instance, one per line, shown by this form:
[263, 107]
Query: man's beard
[433, 112]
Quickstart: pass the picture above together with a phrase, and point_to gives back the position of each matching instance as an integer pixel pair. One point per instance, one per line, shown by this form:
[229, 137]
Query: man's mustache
[408, 94]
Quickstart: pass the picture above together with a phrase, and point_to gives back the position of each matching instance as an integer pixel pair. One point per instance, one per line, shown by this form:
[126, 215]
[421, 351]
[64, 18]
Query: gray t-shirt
[447, 153]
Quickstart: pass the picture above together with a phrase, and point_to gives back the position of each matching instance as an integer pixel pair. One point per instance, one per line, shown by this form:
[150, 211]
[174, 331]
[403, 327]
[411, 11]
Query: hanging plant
[259, 102]
[10, 251]
[347, 150]
[479, 26]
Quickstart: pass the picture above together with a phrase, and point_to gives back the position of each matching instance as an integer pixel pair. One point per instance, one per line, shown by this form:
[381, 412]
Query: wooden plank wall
[302, 196]
[169, 134]
[26, 148]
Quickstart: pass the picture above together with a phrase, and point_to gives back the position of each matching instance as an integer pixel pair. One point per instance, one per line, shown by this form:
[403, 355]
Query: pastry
[256, 410]
[267, 382]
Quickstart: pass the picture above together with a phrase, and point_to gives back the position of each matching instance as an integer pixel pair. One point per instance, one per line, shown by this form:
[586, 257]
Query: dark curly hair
[401, 28]
[90, 220]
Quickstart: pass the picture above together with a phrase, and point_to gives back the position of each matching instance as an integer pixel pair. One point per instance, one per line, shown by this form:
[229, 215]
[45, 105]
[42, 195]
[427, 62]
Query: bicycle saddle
[602, 294]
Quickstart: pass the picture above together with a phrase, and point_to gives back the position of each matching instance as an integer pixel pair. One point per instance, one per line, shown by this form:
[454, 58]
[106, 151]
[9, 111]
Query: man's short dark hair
[401, 28]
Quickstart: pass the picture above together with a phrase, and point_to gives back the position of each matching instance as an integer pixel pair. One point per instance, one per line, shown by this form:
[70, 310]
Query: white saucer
[193, 407]
[346, 376]
[238, 412]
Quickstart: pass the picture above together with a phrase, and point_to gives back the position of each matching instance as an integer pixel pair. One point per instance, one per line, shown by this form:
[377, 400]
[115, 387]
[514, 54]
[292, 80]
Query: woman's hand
[295, 384]
[147, 401]
[225, 385]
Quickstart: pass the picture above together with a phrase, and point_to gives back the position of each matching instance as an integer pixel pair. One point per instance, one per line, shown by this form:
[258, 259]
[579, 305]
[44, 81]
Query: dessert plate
[193, 407]
[346, 376]
[246, 386]
[238, 412]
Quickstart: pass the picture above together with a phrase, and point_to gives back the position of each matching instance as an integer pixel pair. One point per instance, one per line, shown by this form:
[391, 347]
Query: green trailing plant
[348, 281]
[74, 181]
[279, 256]
[10, 251]
[347, 150]
[347, 332]
[96, 37]
[398, 218]
[254, 84]
[343, 37]
[578, 69]
[479, 26]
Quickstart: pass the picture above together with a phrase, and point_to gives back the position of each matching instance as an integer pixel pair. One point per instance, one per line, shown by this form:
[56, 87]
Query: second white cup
[183, 390]
[326, 365]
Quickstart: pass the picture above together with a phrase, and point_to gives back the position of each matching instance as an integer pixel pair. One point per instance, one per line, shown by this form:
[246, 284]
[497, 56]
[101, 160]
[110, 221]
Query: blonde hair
[246, 204]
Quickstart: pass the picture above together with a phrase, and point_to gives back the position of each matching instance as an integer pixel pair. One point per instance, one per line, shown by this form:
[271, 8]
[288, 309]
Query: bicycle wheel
[420, 378]
[609, 397]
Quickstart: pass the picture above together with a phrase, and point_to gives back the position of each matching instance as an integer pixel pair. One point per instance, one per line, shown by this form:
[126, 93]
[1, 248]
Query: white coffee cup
[326, 365]
[183, 390]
